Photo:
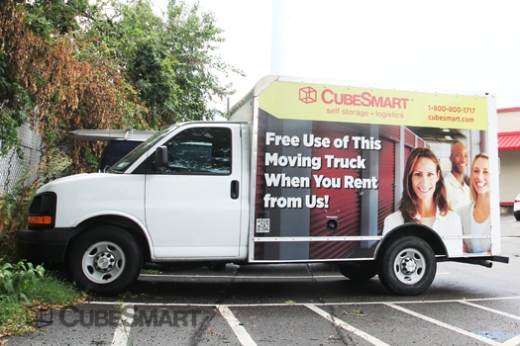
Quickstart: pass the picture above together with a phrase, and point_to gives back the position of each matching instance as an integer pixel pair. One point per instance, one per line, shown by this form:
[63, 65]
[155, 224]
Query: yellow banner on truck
[322, 102]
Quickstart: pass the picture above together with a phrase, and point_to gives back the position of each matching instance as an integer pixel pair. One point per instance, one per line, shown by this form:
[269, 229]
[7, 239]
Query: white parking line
[439, 301]
[444, 325]
[512, 342]
[346, 326]
[498, 312]
[122, 331]
[237, 327]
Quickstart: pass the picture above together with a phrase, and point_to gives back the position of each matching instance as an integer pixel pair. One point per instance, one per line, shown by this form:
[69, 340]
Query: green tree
[171, 60]
[15, 103]
[46, 17]
[59, 82]
[75, 64]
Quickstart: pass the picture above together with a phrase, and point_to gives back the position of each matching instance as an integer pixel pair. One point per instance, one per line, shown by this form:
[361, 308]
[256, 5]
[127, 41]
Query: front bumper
[43, 245]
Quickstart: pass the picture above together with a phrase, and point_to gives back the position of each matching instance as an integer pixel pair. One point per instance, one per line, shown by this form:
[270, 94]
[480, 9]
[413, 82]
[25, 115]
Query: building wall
[509, 175]
[509, 121]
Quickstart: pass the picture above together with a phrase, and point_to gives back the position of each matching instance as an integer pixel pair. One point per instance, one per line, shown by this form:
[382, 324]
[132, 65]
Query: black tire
[358, 272]
[407, 266]
[517, 216]
[105, 259]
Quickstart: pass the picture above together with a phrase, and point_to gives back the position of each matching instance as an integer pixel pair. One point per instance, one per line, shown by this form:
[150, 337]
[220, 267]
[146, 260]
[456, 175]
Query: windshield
[122, 165]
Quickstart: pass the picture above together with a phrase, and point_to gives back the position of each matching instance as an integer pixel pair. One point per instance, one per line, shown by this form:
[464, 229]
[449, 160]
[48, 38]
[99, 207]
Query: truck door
[193, 202]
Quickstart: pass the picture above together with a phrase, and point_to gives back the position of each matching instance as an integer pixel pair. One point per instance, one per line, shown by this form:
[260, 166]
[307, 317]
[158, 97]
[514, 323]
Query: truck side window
[200, 151]
[115, 151]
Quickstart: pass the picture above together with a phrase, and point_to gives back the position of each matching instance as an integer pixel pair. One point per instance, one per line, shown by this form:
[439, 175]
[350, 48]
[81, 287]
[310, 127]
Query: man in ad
[456, 188]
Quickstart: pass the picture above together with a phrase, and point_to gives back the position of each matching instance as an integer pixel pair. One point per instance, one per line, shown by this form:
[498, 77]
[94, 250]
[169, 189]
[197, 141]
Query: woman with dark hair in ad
[424, 196]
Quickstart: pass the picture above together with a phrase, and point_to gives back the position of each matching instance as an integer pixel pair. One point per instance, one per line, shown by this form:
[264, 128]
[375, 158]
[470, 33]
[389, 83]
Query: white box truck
[303, 171]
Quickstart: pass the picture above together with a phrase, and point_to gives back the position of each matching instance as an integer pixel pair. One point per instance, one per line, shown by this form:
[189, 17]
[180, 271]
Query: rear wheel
[105, 259]
[407, 266]
[358, 272]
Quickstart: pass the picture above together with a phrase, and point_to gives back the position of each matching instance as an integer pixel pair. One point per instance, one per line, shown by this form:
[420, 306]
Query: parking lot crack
[345, 339]
[197, 336]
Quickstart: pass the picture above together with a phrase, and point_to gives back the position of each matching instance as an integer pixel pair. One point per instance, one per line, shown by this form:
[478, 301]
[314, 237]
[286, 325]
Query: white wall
[509, 175]
[509, 121]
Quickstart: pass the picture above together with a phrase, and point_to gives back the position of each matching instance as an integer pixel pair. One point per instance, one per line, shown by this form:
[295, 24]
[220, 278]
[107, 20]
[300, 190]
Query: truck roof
[107, 135]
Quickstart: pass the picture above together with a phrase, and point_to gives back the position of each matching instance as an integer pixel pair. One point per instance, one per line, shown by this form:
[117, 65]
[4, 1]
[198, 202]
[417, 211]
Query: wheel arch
[122, 222]
[425, 233]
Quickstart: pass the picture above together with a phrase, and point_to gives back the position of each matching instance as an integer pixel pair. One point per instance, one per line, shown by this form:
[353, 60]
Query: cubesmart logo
[308, 95]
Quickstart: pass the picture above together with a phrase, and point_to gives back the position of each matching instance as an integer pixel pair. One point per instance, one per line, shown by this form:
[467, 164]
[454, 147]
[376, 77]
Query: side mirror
[161, 157]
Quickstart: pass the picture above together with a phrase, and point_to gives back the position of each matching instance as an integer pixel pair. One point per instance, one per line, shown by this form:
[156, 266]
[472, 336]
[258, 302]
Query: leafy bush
[16, 279]
[38, 292]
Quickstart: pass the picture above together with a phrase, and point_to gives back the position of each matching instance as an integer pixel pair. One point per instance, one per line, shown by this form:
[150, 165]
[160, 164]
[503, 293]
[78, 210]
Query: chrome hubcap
[409, 266]
[103, 262]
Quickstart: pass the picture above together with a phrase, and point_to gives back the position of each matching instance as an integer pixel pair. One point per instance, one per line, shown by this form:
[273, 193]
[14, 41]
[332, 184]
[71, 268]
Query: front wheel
[407, 266]
[105, 259]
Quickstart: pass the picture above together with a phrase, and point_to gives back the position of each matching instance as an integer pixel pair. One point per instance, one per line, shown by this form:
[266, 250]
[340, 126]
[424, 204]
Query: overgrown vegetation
[85, 65]
[24, 289]
[81, 64]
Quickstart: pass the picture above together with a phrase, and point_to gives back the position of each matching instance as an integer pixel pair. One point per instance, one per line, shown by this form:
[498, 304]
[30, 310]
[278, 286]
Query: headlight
[42, 211]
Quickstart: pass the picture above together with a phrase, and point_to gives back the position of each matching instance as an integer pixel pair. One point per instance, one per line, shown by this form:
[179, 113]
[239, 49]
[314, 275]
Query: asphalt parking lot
[298, 305]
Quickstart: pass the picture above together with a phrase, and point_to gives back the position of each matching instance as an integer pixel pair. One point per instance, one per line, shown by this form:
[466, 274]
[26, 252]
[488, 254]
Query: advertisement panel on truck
[339, 168]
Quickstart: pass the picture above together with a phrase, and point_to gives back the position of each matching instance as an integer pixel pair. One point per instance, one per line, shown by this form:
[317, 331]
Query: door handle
[235, 187]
